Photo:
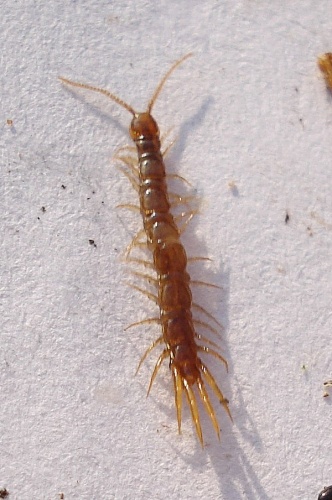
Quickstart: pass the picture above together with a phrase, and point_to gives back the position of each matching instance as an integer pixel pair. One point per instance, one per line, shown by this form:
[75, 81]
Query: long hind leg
[208, 406]
[178, 395]
[193, 409]
[213, 384]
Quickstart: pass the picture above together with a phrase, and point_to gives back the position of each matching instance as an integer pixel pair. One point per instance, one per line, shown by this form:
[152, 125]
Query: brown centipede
[183, 344]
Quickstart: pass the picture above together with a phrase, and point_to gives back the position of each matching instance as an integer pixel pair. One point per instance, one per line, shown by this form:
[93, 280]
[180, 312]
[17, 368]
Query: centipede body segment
[183, 345]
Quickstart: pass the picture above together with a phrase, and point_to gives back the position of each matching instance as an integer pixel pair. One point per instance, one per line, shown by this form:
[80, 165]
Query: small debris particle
[287, 217]
[325, 65]
[327, 386]
[233, 187]
[63, 186]
[92, 242]
[10, 122]
[4, 493]
[43, 209]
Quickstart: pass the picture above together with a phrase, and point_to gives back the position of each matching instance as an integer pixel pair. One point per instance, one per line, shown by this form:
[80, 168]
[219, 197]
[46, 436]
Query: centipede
[183, 344]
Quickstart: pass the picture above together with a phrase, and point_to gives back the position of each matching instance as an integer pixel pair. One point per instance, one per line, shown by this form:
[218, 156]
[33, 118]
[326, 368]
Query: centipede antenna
[163, 80]
[101, 91]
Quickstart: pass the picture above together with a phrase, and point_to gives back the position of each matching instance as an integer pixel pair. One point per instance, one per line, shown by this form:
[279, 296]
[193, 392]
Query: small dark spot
[38, 218]
[88, 198]
[4, 493]
[10, 122]
[287, 217]
[93, 192]
[296, 89]
[92, 242]
[63, 186]
[309, 231]
[43, 209]
[326, 493]
[62, 497]
[233, 187]
[102, 202]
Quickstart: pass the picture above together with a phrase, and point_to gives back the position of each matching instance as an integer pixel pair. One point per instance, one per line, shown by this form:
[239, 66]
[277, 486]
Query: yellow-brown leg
[143, 322]
[212, 383]
[191, 398]
[208, 406]
[209, 315]
[214, 353]
[207, 326]
[161, 358]
[178, 395]
[151, 296]
[147, 352]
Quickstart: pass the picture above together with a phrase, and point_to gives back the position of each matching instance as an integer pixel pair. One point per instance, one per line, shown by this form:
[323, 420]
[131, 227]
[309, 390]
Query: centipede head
[143, 125]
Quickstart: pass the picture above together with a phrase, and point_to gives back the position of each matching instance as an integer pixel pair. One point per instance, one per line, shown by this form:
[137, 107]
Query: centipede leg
[189, 217]
[161, 358]
[208, 406]
[129, 206]
[193, 409]
[212, 383]
[130, 161]
[180, 200]
[135, 242]
[207, 326]
[147, 352]
[196, 259]
[151, 296]
[177, 176]
[205, 283]
[163, 139]
[145, 263]
[131, 179]
[202, 338]
[149, 278]
[147, 321]
[125, 148]
[178, 396]
[209, 315]
[214, 353]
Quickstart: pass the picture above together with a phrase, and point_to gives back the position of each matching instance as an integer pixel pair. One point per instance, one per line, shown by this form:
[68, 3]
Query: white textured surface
[250, 107]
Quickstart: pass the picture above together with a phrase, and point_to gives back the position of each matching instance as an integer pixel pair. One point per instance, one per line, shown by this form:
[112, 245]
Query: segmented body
[174, 298]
